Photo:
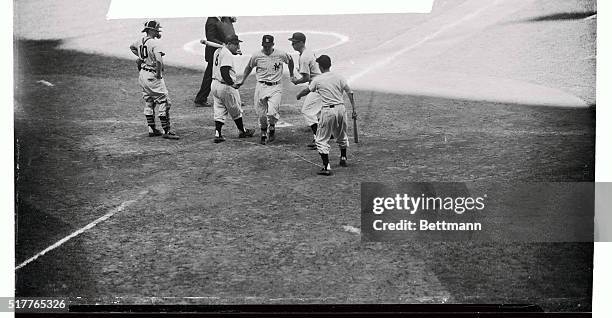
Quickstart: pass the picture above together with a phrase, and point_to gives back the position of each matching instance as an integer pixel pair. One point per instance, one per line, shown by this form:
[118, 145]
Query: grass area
[248, 223]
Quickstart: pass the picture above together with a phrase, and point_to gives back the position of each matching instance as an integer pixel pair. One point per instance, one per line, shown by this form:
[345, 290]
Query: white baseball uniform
[154, 90]
[226, 98]
[268, 91]
[312, 103]
[331, 88]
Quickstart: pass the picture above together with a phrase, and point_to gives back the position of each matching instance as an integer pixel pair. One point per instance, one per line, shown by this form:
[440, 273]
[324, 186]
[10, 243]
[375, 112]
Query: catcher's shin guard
[150, 121]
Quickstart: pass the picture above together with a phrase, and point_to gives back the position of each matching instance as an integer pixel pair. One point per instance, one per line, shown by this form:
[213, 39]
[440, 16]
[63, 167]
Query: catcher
[154, 92]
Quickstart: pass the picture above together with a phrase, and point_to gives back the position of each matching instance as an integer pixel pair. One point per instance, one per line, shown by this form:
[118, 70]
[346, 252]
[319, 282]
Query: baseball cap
[324, 61]
[232, 39]
[153, 25]
[297, 37]
[267, 40]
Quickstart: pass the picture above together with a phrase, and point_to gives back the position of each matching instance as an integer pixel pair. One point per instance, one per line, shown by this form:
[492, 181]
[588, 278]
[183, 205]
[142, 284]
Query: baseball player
[331, 87]
[308, 69]
[225, 89]
[151, 66]
[268, 64]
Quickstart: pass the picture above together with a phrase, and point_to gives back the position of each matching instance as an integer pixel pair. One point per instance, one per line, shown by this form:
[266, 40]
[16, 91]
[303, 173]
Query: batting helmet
[153, 25]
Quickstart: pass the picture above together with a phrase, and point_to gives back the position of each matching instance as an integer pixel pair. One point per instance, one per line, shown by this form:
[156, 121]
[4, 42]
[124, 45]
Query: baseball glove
[139, 64]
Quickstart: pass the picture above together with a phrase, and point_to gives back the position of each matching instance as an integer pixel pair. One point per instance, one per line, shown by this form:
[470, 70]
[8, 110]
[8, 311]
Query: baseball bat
[355, 135]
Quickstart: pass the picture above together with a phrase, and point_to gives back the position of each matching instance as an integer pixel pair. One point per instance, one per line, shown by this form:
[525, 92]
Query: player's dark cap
[232, 39]
[267, 40]
[324, 61]
[153, 25]
[298, 37]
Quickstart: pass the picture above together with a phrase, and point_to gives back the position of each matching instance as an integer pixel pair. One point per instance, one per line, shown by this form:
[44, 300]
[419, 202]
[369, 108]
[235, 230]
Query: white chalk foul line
[82, 230]
[429, 37]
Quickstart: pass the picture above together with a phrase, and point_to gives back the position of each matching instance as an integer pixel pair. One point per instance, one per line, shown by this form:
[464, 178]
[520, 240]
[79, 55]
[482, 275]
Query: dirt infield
[238, 222]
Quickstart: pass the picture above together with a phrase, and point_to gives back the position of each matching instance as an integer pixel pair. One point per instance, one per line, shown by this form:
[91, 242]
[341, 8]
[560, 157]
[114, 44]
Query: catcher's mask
[153, 25]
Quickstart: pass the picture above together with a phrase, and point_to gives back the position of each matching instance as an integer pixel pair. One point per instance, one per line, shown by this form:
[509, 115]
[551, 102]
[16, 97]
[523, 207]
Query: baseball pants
[332, 122]
[226, 101]
[267, 102]
[311, 109]
[154, 92]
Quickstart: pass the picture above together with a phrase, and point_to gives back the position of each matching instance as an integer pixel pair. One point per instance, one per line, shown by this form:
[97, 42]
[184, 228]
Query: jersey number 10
[143, 52]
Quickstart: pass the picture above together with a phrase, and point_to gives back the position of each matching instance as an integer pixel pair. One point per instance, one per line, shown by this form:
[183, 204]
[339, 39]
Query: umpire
[216, 30]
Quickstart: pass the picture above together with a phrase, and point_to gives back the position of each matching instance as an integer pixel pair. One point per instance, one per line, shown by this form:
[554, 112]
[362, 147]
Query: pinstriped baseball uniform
[312, 103]
[154, 90]
[331, 88]
[268, 90]
[226, 98]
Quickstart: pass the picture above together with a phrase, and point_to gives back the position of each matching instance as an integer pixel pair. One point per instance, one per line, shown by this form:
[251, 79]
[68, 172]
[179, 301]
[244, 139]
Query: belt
[149, 69]
[270, 83]
[329, 106]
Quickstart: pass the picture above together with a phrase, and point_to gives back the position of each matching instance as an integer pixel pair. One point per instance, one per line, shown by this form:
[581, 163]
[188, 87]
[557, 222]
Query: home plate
[281, 123]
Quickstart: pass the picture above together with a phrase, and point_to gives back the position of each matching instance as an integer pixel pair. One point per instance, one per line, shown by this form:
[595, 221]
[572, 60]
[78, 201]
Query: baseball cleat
[155, 132]
[246, 133]
[170, 135]
[202, 104]
[324, 172]
[271, 135]
[343, 162]
[263, 140]
[312, 145]
[218, 139]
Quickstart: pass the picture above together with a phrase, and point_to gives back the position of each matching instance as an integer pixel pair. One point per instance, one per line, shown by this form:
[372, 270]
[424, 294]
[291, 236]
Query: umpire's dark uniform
[214, 31]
